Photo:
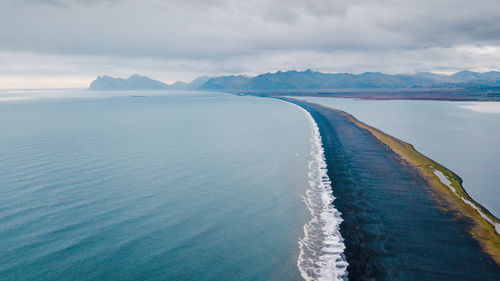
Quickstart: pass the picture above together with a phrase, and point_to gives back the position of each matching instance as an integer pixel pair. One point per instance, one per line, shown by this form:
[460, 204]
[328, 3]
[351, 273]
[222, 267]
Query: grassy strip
[481, 230]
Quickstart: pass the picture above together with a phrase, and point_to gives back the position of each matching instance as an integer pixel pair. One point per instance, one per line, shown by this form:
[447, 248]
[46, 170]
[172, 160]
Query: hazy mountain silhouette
[297, 80]
[193, 85]
[134, 82]
[369, 80]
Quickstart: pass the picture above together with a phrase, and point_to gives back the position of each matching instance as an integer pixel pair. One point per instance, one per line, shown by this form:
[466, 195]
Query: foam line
[322, 247]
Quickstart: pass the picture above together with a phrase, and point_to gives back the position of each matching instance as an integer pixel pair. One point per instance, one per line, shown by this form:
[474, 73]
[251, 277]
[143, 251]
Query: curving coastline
[321, 254]
[401, 221]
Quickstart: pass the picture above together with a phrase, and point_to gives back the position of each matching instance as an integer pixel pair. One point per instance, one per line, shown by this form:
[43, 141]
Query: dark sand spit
[394, 228]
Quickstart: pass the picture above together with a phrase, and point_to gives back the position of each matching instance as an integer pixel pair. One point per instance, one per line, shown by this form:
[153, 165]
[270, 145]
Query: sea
[163, 185]
[462, 136]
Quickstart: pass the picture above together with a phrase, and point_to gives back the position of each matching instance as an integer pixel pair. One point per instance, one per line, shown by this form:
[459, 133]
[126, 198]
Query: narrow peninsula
[406, 217]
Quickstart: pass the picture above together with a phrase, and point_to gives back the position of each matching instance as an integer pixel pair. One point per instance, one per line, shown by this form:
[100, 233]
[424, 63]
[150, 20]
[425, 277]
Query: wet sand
[394, 228]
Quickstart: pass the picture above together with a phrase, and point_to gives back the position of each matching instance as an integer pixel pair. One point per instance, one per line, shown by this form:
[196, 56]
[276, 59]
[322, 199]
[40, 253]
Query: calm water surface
[177, 186]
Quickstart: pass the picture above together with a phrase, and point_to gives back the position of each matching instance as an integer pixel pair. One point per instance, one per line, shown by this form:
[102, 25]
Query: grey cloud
[200, 28]
[219, 36]
[69, 3]
[444, 23]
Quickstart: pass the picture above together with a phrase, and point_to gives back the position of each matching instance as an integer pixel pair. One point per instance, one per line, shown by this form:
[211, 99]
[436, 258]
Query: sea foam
[322, 248]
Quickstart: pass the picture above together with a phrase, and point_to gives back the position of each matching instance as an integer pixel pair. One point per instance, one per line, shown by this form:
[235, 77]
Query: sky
[68, 43]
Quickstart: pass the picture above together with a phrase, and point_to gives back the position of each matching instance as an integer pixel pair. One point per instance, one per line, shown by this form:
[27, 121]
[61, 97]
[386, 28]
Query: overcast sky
[67, 43]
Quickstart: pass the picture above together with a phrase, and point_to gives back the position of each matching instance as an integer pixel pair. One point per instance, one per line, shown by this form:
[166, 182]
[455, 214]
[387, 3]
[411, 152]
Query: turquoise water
[171, 186]
[463, 136]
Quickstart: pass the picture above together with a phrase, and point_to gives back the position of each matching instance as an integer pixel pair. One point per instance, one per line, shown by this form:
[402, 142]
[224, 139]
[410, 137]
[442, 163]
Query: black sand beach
[393, 228]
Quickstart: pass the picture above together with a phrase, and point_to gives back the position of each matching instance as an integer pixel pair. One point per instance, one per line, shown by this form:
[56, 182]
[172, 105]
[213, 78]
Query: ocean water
[170, 186]
[463, 136]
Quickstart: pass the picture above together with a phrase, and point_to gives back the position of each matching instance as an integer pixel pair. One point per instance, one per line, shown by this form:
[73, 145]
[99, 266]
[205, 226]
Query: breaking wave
[322, 248]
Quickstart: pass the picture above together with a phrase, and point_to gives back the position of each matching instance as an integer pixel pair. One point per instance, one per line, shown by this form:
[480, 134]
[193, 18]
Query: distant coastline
[447, 185]
[484, 94]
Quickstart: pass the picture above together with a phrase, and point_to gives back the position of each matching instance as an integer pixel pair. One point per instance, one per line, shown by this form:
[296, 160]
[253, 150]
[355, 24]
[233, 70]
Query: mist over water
[175, 186]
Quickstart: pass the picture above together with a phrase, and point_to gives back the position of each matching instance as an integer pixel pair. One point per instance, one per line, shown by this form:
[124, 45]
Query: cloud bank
[68, 42]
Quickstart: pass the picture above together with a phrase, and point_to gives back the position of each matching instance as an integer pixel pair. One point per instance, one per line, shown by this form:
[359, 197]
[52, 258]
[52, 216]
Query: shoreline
[451, 195]
[321, 249]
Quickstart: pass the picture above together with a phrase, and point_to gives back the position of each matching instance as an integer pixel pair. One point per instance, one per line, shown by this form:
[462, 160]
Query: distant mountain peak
[134, 82]
[466, 72]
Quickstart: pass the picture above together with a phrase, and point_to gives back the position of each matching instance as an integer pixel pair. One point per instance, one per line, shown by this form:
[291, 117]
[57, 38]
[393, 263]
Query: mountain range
[138, 82]
[307, 80]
